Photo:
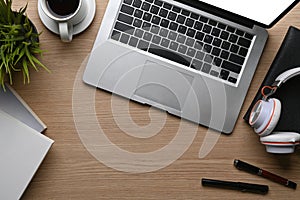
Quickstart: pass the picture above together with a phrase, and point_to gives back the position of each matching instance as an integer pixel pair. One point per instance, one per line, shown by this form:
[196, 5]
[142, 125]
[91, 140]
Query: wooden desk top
[71, 172]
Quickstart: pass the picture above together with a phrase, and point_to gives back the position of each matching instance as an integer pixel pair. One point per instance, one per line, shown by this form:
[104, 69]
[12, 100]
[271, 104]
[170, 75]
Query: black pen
[244, 187]
[261, 172]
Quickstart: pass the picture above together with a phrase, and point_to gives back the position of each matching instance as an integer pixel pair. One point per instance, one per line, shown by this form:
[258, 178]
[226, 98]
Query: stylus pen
[244, 187]
[261, 172]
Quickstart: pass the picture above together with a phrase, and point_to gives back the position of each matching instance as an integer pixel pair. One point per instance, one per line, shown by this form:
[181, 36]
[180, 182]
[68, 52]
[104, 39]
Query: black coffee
[62, 7]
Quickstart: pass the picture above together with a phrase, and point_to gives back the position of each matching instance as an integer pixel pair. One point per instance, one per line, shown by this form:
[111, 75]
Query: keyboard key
[173, 26]
[216, 51]
[199, 35]
[158, 2]
[191, 32]
[231, 66]
[185, 13]
[198, 25]
[138, 13]
[139, 33]
[207, 48]
[236, 59]
[180, 19]
[167, 6]
[225, 45]
[224, 35]
[165, 42]
[172, 35]
[146, 26]
[147, 17]
[216, 32]
[244, 42]
[198, 45]
[208, 39]
[154, 9]
[129, 2]
[146, 6]
[224, 74]
[217, 42]
[115, 35]
[125, 18]
[143, 45]
[163, 12]
[172, 16]
[214, 73]
[147, 36]
[208, 58]
[156, 39]
[230, 29]
[212, 22]
[203, 19]
[190, 42]
[154, 29]
[174, 46]
[190, 22]
[181, 39]
[124, 38]
[170, 55]
[224, 54]
[217, 61]
[133, 41]
[155, 20]
[207, 28]
[191, 52]
[234, 48]
[182, 29]
[182, 49]
[127, 9]
[206, 68]
[124, 28]
[233, 38]
[196, 64]
[200, 55]
[150, 1]
[249, 36]
[137, 3]
[195, 16]
[239, 32]
[232, 80]
[176, 9]
[221, 26]
[137, 23]
[243, 52]
[165, 23]
[163, 32]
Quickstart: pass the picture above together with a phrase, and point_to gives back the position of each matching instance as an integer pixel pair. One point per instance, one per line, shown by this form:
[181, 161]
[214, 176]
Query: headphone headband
[285, 76]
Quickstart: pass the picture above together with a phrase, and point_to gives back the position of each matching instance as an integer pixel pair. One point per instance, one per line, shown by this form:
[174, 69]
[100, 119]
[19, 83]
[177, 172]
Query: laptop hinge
[219, 12]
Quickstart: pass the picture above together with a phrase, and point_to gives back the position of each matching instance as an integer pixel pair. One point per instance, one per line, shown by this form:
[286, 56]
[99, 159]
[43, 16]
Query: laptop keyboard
[205, 45]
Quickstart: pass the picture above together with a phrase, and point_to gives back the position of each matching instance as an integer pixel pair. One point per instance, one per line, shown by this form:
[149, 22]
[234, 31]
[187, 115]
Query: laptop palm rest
[163, 87]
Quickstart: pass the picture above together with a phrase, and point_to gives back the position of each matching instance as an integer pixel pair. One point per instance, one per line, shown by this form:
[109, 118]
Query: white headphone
[265, 115]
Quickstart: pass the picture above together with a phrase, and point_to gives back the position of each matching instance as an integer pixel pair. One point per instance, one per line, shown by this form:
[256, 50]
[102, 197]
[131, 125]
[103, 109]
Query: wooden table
[71, 172]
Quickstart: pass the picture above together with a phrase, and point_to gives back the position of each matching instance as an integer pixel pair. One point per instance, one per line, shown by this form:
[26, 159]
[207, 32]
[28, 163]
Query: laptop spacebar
[166, 53]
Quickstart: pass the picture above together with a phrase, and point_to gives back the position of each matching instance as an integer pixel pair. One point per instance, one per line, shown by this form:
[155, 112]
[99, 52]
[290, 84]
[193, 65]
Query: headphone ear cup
[268, 113]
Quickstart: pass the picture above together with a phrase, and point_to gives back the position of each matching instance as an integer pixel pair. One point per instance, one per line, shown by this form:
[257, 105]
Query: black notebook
[287, 57]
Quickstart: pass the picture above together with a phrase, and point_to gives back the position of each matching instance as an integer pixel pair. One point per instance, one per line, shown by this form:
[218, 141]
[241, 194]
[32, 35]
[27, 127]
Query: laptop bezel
[232, 16]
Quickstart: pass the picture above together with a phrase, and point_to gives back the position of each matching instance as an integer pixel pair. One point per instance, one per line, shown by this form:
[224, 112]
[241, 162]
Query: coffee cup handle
[65, 31]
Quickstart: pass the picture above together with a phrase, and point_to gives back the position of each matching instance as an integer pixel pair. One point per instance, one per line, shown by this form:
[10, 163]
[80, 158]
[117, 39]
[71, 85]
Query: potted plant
[19, 44]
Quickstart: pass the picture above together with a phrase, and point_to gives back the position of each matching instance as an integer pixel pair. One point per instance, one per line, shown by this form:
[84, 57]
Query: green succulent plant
[19, 41]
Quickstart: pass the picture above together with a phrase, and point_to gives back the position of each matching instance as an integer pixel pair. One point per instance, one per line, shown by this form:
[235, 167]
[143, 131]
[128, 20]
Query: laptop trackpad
[163, 85]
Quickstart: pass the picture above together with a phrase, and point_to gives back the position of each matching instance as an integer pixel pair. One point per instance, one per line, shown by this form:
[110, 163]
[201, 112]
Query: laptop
[193, 59]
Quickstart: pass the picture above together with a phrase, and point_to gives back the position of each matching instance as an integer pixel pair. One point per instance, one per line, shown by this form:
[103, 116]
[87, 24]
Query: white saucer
[78, 28]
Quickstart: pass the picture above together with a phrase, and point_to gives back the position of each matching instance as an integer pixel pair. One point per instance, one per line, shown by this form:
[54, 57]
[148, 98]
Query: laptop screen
[262, 11]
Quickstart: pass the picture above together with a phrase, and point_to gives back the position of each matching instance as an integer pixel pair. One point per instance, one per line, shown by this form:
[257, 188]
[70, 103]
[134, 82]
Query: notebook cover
[22, 150]
[287, 57]
[14, 105]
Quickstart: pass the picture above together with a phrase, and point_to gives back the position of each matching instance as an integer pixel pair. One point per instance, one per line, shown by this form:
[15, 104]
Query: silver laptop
[193, 59]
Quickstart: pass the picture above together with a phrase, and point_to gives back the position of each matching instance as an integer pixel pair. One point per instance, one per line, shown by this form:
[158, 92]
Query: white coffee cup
[66, 13]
